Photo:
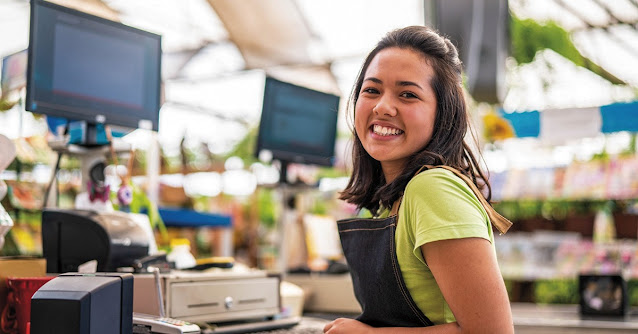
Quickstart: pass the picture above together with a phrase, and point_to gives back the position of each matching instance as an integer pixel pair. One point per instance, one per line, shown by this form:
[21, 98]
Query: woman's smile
[385, 132]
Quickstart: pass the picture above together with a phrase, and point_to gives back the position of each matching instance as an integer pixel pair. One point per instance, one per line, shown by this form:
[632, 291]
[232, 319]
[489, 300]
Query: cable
[54, 176]
[50, 185]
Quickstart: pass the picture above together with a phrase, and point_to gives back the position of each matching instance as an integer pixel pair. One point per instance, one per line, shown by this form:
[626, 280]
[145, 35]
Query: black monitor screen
[298, 124]
[83, 67]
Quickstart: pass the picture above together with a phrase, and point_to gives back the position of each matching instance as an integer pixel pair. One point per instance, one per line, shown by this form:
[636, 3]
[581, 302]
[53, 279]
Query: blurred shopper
[428, 257]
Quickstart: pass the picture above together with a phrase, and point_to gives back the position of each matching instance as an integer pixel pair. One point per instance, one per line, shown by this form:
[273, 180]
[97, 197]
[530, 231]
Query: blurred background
[552, 87]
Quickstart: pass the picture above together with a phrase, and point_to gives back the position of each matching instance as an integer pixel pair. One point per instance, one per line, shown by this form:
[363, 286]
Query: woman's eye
[370, 90]
[408, 95]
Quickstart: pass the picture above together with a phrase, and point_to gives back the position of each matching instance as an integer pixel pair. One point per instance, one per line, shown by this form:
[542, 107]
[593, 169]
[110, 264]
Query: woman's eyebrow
[408, 83]
[373, 79]
[399, 83]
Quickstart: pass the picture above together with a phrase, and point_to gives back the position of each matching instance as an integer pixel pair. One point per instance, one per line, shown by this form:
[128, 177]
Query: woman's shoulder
[436, 179]
[439, 200]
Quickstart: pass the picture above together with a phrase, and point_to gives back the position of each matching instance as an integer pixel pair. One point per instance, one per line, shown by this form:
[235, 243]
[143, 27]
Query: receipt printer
[73, 237]
[76, 303]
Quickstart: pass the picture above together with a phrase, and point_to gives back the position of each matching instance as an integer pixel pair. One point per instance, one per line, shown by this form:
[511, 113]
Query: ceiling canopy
[217, 52]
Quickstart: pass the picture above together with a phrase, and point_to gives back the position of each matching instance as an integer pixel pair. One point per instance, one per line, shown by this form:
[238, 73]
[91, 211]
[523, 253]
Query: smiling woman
[395, 80]
[427, 258]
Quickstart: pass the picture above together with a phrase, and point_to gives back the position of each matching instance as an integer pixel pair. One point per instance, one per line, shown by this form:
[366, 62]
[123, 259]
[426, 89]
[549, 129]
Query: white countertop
[534, 318]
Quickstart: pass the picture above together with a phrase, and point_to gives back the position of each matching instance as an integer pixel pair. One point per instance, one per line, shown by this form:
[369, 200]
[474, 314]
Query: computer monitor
[298, 124]
[83, 67]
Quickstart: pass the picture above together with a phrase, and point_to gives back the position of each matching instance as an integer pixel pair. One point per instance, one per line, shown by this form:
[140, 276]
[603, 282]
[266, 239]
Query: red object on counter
[21, 289]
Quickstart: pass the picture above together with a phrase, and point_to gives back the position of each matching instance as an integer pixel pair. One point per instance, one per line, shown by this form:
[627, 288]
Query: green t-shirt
[437, 205]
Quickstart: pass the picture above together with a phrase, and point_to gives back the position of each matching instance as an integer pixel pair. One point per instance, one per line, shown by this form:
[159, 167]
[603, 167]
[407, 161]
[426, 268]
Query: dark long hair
[367, 187]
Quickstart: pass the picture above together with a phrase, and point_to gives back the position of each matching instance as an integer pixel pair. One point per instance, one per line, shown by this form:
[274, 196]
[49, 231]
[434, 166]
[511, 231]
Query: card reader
[147, 324]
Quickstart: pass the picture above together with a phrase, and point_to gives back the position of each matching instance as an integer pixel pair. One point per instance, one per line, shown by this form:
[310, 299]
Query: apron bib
[369, 248]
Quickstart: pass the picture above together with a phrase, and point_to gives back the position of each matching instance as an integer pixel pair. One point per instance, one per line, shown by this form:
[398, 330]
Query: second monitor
[298, 124]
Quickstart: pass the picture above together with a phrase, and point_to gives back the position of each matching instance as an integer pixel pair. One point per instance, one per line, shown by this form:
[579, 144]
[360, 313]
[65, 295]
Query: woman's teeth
[385, 131]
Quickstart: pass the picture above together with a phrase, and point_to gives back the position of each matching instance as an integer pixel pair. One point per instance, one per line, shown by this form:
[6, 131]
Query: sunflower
[496, 128]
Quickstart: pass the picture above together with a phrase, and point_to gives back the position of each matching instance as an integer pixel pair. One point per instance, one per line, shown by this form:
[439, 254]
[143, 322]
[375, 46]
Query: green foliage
[6, 105]
[319, 207]
[267, 207]
[10, 248]
[553, 209]
[565, 291]
[632, 292]
[557, 209]
[245, 149]
[69, 162]
[602, 155]
[631, 150]
[557, 291]
[140, 159]
[509, 287]
[189, 157]
[518, 210]
[170, 164]
[529, 37]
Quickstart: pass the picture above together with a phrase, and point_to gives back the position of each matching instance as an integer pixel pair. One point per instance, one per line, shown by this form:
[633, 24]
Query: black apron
[370, 250]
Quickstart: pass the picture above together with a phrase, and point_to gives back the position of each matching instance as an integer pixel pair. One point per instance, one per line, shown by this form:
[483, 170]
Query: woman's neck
[391, 171]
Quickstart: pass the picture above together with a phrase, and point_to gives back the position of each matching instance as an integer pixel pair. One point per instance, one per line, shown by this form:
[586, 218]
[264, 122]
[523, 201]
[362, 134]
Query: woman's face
[396, 108]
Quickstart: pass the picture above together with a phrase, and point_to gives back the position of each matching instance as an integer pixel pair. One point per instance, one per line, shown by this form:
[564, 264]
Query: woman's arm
[468, 275]
[469, 278]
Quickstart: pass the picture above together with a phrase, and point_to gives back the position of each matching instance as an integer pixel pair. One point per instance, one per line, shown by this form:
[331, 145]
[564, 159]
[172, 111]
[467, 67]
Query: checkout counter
[327, 297]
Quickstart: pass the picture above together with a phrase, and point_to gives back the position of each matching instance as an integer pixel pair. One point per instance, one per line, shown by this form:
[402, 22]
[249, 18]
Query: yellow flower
[496, 127]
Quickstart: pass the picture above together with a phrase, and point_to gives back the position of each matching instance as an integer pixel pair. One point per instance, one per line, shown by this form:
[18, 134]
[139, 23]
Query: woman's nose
[385, 107]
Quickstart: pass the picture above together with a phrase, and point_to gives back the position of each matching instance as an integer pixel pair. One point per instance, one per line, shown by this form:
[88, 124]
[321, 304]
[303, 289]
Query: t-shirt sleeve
[439, 206]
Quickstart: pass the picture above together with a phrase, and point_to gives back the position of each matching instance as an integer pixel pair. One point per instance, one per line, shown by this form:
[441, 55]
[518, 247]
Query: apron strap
[395, 206]
[501, 223]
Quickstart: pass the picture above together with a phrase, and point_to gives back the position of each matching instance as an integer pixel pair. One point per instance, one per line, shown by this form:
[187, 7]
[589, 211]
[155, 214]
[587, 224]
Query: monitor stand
[89, 156]
[283, 178]
[288, 191]
[283, 172]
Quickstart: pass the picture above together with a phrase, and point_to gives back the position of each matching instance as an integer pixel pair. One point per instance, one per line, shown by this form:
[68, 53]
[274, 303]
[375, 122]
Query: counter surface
[533, 318]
